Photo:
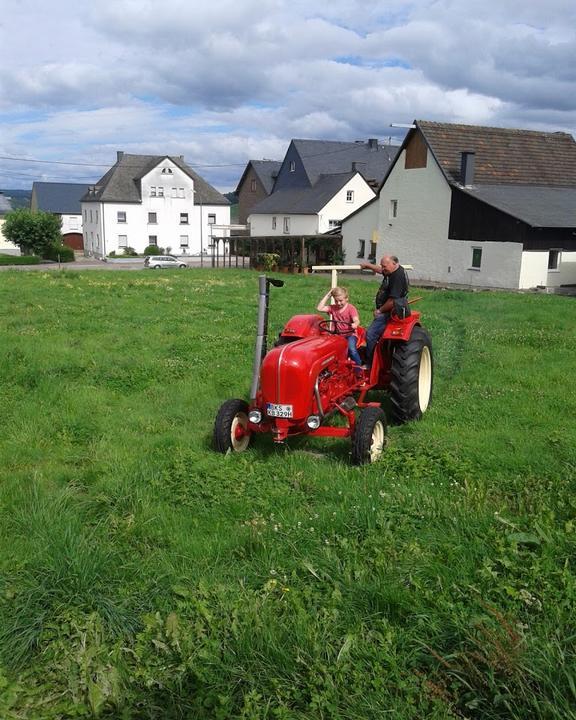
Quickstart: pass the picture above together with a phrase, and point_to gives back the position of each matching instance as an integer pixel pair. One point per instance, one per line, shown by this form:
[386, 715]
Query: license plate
[279, 411]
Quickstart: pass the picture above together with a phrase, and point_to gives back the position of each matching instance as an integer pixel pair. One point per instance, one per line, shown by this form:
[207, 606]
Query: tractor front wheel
[231, 433]
[412, 377]
[369, 436]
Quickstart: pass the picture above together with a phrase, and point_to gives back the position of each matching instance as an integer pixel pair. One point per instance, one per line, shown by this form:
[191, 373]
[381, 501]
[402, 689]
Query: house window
[211, 219]
[96, 215]
[286, 224]
[152, 239]
[122, 241]
[180, 192]
[476, 258]
[361, 249]
[292, 166]
[372, 256]
[85, 216]
[183, 218]
[174, 192]
[333, 223]
[349, 195]
[393, 209]
[183, 241]
[273, 222]
[167, 171]
[252, 185]
[91, 216]
[120, 216]
[152, 190]
[152, 218]
[160, 191]
[554, 257]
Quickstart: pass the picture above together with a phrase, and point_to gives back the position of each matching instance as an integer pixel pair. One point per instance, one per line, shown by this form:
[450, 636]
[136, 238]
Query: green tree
[33, 231]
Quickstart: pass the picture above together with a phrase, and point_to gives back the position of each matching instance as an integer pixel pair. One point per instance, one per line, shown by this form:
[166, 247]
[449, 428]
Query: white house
[310, 211]
[152, 200]
[6, 246]
[319, 183]
[479, 206]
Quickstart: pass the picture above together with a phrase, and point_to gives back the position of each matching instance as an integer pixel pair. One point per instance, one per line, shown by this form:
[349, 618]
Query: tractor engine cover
[289, 373]
[301, 326]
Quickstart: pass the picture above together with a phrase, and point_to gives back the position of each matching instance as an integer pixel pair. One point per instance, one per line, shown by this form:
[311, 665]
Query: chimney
[119, 155]
[373, 143]
[467, 168]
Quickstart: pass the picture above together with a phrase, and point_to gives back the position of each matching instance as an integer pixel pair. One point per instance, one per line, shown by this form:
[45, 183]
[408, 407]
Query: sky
[226, 81]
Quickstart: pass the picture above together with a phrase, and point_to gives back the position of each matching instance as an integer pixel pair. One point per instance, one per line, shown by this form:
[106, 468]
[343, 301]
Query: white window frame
[152, 221]
[334, 223]
[361, 249]
[160, 191]
[211, 218]
[121, 217]
[181, 193]
[185, 221]
[273, 222]
[184, 241]
[393, 212]
[286, 225]
[349, 196]
[152, 190]
[122, 239]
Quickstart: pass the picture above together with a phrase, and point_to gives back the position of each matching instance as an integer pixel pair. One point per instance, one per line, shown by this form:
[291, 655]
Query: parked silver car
[156, 262]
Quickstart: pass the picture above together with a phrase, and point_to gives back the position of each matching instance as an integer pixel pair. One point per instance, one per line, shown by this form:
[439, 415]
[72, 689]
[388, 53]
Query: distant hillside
[18, 198]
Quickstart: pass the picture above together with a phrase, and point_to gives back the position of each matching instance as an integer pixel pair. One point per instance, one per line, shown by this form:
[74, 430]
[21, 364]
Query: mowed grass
[143, 575]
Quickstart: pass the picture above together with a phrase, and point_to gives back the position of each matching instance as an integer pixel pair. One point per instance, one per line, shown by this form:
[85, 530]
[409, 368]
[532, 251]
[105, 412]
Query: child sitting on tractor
[345, 318]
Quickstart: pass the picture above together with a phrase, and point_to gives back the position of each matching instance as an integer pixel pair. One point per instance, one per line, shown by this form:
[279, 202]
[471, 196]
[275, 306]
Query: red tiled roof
[502, 155]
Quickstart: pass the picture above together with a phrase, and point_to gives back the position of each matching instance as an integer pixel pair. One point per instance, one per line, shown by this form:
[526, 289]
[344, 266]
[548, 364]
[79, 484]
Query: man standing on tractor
[392, 292]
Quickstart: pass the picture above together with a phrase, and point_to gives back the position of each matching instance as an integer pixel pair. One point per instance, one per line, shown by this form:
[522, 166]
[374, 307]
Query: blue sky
[227, 81]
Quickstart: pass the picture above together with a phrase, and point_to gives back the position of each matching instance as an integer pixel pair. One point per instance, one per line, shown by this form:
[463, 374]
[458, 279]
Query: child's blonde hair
[339, 292]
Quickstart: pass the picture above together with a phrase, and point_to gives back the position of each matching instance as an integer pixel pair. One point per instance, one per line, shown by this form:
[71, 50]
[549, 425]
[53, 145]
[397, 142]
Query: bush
[154, 250]
[59, 253]
[19, 260]
[130, 252]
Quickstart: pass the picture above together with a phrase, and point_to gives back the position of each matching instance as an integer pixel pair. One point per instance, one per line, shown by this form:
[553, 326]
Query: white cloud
[225, 81]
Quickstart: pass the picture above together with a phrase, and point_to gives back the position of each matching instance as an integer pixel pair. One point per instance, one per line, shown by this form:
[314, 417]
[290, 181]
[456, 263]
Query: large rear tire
[412, 377]
[231, 432]
[369, 436]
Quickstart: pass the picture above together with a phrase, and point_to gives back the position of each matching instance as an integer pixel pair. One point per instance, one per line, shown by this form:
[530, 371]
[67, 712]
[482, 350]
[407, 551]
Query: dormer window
[349, 195]
[292, 166]
[167, 171]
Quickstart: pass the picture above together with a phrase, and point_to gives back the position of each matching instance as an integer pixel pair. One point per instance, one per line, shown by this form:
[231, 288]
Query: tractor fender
[301, 326]
[398, 329]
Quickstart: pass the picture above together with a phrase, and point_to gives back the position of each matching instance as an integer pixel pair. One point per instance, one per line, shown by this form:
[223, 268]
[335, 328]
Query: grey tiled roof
[266, 169]
[324, 157]
[303, 201]
[122, 182]
[61, 198]
[550, 207]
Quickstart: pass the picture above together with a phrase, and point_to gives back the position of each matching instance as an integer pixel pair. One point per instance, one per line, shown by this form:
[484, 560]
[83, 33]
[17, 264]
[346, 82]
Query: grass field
[143, 575]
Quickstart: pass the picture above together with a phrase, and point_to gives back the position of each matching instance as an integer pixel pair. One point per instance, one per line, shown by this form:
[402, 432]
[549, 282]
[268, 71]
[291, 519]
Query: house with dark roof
[152, 200]
[318, 184]
[479, 206]
[255, 184]
[62, 199]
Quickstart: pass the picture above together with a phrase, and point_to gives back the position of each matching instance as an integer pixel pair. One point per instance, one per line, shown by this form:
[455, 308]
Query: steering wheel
[325, 325]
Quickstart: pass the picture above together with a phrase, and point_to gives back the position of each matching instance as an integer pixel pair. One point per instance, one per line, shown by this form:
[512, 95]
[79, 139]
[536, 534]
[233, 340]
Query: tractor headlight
[255, 416]
[313, 422]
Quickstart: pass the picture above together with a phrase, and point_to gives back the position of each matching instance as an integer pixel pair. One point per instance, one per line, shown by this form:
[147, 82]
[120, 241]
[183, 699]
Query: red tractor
[307, 378]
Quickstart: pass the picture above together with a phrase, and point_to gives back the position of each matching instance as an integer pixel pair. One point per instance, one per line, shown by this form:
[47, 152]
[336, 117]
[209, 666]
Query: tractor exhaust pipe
[262, 334]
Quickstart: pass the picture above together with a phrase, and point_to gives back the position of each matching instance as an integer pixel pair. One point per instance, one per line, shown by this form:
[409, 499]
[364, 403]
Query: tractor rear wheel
[412, 377]
[231, 433]
[369, 436]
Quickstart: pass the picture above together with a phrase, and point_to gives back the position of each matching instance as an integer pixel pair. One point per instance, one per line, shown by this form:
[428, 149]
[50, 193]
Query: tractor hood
[289, 372]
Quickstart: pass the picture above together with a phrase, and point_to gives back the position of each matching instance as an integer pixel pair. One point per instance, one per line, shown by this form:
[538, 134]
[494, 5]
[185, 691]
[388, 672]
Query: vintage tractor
[307, 379]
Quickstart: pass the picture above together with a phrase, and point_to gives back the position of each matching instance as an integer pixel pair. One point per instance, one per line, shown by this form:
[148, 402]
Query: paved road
[86, 263]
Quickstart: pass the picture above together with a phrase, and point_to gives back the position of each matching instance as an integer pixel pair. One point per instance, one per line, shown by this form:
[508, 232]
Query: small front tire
[369, 436]
[231, 432]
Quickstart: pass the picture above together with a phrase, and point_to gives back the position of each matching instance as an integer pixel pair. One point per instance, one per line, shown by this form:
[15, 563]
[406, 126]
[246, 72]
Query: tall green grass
[142, 575]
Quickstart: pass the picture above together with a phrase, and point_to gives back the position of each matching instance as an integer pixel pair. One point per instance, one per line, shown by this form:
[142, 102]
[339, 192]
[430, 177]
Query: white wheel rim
[425, 378]
[239, 444]
[377, 444]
